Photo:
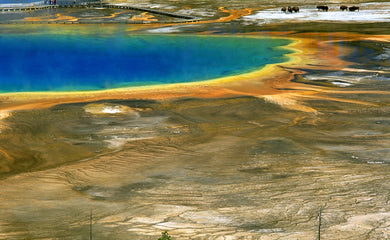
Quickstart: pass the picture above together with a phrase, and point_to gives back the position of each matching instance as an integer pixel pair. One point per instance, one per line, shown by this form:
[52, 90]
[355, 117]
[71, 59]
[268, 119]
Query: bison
[343, 7]
[323, 8]
[290, 9]
[354, 8]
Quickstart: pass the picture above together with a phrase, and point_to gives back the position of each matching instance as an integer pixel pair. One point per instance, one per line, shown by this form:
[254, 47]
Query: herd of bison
[324, 8]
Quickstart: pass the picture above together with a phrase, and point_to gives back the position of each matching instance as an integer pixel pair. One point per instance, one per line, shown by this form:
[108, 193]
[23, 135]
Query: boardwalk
[169, 14]
[26, 8]
[38, 5]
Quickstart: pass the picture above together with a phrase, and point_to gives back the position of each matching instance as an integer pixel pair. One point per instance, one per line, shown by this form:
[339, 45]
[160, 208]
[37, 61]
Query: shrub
[165, 236]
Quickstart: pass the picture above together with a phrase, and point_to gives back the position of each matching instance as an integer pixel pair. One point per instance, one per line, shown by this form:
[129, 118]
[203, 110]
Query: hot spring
[47, 61]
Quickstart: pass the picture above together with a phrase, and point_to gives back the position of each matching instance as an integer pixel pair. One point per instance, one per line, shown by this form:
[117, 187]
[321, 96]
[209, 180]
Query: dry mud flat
[238, 168]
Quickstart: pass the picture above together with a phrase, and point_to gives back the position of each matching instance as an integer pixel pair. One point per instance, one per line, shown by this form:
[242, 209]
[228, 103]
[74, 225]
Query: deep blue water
[48, 62]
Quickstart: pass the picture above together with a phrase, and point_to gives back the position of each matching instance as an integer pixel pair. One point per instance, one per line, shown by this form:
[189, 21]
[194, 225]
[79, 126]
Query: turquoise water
[52, 62]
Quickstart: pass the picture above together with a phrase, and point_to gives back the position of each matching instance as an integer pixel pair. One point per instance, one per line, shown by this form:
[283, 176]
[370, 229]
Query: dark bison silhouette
[343, 7]
[290, 9]
[323, 8]
[353, 8]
